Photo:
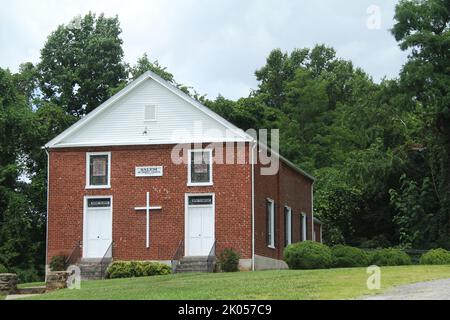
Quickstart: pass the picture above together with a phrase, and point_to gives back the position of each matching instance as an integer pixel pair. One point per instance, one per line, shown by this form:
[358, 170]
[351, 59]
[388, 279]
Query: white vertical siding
[123, 122]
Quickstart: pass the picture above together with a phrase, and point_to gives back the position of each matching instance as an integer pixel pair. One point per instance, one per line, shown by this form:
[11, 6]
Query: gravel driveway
[430, 290]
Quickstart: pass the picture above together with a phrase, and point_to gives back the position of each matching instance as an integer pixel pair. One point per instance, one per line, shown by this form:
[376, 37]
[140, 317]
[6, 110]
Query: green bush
[131, 269]
[308, 255]
[389, 257]
[229, 260]
[58, 263]
[347, 257]
[436, 256]
[3, 269]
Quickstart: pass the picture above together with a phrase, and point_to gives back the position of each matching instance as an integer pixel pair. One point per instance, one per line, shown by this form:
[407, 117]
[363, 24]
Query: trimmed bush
[3, 269]
[131, 269]
[436, 256]
[389, 257]
[58, 263]
[229, 260]
[347, 257]
[308, 255]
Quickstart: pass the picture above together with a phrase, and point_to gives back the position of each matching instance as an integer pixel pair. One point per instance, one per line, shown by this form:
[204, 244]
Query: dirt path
[430, 290]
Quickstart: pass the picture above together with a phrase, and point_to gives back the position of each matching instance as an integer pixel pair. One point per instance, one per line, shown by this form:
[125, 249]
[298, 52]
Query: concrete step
[193, 264]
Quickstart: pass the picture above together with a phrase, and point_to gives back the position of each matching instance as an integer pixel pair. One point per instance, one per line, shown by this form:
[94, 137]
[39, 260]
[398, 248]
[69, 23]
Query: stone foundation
[8, 283]
[56, 280]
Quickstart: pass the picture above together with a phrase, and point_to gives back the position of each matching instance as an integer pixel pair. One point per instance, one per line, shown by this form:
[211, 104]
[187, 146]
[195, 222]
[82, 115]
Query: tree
[144, 64]
[81, 63]
[423, 27]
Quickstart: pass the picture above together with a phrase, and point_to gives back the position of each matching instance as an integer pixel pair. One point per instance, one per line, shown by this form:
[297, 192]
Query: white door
[98, 227]
[200, 225]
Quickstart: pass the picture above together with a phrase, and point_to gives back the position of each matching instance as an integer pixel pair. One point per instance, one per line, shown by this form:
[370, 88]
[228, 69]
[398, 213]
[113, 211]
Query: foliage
[144, 64]
[58, 263]
[228, 260]
[3, 269]
[131, 269]
[81, 62]
[389, 257]
[308, 255]
[436, 256]
[346, 256]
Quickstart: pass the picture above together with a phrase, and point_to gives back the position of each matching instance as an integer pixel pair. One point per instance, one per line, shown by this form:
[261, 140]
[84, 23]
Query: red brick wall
[232, 188]
[288, 188]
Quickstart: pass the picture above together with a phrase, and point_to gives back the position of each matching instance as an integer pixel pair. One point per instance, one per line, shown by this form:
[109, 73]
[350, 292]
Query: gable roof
[129, 88]
[56, 142]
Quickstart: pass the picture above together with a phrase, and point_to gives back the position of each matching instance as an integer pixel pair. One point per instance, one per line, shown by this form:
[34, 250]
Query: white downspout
[46, 227]
[312, 210]
[253, 205]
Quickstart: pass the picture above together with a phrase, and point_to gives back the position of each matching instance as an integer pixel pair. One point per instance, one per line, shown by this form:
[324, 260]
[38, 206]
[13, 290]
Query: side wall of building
[287, 188]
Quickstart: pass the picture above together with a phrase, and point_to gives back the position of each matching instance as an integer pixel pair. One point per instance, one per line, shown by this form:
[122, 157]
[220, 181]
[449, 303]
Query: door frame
[186, 213]
[85, 209]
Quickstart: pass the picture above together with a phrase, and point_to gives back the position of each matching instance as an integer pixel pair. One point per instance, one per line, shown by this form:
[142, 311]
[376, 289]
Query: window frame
[156, 113]
[271, 242]
[189, 171]
[288, 226]
[88, 170]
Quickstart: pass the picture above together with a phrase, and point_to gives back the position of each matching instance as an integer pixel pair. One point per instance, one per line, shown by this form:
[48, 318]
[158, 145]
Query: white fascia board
[153, 142]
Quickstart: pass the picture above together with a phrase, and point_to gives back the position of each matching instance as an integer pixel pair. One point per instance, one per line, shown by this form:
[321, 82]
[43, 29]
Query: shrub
[229, 260]
[436, 256]
[346, 256]
[131, 269]
[389, 257]
[3, 269]
[308, 255]
[58, 263]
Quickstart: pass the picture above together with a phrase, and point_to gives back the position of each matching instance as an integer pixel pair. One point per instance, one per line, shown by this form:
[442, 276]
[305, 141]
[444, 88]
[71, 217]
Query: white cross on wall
[147, 209]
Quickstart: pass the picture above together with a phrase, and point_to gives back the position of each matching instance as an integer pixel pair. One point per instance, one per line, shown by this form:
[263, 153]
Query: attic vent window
[150, 113]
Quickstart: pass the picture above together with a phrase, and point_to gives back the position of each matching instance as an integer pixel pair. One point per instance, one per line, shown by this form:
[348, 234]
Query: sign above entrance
[99, 203]
[200, 200]
[155, 171]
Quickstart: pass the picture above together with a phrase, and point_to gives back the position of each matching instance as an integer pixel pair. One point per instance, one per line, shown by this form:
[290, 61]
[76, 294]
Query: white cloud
[214, 46]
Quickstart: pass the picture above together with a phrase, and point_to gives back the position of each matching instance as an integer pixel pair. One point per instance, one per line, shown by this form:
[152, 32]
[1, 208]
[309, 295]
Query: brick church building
[143, 177]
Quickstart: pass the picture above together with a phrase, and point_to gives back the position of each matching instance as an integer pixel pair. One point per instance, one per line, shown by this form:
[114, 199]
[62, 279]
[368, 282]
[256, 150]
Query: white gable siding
[123, 122]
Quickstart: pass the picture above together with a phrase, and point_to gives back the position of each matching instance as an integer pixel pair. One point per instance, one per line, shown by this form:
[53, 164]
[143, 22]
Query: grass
[2, 297]
[281, 284]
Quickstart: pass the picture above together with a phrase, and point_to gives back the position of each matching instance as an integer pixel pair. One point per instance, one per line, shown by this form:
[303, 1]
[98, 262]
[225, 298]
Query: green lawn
[285, 284]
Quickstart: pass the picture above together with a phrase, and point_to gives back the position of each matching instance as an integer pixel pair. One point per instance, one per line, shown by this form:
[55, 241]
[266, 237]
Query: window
[270, 210]
[150, 113]
[287, 226]
[303, 226]
[98, 166]
[200, 168]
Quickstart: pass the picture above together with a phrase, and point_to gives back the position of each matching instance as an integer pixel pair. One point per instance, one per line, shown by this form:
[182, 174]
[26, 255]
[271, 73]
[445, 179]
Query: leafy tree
[81, 62]
[144, 64]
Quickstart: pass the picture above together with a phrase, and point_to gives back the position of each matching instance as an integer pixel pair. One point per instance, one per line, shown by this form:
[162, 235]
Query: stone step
[32, 290]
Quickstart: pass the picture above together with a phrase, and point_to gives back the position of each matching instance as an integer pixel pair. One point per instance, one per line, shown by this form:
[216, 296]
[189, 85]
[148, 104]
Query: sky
[215, 46]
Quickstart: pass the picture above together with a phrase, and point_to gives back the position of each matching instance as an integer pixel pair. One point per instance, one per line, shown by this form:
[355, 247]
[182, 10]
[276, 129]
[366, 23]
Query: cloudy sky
[215, 46]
